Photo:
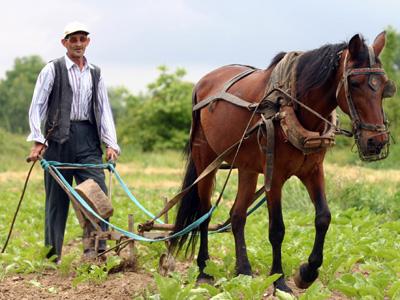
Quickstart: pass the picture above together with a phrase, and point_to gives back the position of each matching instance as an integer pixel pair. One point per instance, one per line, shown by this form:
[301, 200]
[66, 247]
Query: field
[361, 258]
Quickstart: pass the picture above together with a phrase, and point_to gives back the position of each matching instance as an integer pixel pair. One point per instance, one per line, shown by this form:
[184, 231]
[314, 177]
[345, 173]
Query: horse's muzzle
[373, 147]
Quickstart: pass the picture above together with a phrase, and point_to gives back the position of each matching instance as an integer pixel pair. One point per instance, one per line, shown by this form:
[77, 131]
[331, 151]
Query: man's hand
[36, 150]
[111, 154]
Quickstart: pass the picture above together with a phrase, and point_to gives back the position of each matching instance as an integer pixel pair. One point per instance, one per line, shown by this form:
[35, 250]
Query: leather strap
[270, 153]
[223, 95]
[215, 164]
[267, 130]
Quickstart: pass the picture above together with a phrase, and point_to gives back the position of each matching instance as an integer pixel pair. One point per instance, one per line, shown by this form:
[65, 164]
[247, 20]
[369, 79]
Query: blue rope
[130, 195]
[128, 233]
[45, 164]
[54, 164]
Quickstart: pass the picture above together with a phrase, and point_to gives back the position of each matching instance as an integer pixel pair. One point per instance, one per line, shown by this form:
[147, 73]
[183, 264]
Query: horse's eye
[354, 83]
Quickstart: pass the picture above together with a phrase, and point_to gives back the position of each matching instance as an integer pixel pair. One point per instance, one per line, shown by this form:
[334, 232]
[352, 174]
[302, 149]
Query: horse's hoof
[244, 270]
[280, 285]
[303, 281]
[204, 279]
[246, 273]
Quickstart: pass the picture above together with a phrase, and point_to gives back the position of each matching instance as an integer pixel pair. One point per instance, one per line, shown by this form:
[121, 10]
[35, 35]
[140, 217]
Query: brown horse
[348, 75]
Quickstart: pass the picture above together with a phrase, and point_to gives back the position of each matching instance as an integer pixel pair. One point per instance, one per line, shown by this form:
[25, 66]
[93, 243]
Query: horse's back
[214, 81]
[224, 123]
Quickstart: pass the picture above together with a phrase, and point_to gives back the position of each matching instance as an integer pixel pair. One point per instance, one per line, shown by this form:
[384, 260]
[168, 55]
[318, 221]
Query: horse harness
[357, 123]
[277, 104]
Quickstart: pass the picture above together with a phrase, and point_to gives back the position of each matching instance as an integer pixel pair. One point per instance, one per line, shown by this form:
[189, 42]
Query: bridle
[357, 124]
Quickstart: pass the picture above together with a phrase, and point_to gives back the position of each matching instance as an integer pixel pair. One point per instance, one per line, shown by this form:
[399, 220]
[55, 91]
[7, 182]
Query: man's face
[76, 44]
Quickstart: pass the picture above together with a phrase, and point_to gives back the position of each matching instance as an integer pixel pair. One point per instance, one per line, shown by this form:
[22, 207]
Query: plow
[92, 205]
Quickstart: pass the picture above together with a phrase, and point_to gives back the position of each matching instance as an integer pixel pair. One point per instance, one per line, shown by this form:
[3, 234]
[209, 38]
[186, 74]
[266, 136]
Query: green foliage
[240, 287]
[361, 287]
[161, 118]
[394, 291]
[32, 260]
[173, 288]
[391, 54]
[315, 292]
[16, 92]
[246, 287]
[360, 196]
[361, 242]
[95, 273]
[66, 265]
[391, 62]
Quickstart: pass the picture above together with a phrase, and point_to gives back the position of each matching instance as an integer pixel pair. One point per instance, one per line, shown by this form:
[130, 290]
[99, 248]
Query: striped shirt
[81, 84]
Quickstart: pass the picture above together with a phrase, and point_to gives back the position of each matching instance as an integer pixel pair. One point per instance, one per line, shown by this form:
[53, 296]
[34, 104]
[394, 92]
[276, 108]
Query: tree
[161, 118]
[391, 54]
[16, 92]
[391, 62]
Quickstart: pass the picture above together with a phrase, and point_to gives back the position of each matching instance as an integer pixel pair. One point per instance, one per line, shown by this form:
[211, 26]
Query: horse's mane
[315, 67]
[276, 59]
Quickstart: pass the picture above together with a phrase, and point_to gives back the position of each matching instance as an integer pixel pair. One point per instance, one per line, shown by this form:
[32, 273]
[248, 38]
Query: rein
[216, 163]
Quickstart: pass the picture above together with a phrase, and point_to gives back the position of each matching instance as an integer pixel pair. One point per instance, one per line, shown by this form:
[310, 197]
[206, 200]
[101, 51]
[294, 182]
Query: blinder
[389, 89]
[373, 82]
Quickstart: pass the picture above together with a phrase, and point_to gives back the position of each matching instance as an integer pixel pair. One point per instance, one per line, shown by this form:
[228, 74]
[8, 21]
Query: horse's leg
[276, 234]
[202, 157]
[205, 191]
[247, 186]
[308, 272]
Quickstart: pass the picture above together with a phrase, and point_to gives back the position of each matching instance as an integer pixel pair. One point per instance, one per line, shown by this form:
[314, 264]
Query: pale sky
[131, 38]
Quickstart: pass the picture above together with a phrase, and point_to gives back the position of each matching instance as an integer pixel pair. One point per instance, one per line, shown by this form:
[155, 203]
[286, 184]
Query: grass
[362, 251]
[345, 153]
[13, 151]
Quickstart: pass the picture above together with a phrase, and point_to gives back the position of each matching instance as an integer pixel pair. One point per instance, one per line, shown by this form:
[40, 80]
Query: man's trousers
[83, 146]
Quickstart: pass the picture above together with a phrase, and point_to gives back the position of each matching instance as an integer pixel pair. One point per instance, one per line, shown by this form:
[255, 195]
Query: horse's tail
[189, 206]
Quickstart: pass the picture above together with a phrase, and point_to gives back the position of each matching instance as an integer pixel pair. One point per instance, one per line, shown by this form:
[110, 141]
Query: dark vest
[60, 101]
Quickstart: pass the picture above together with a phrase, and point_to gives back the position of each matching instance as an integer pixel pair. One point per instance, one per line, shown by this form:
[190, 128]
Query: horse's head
[361, 89]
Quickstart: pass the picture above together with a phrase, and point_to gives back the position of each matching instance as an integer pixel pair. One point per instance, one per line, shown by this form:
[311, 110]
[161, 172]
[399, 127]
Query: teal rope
[45, 164]
[128, 233]
[54, 164]
[130, 195]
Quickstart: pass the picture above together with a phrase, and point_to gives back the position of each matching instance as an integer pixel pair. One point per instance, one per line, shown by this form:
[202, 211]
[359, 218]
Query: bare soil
[51, 285]
[124, 285]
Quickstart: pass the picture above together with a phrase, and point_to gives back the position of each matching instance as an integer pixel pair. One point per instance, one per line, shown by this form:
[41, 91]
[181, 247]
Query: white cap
[74, 27]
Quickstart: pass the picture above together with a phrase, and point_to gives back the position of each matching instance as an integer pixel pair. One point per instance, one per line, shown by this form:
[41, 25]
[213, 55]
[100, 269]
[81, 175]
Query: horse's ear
[379, 43]
[356, 45]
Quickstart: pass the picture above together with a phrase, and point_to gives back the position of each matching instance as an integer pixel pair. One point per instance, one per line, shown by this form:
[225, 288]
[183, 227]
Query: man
[70, 97]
